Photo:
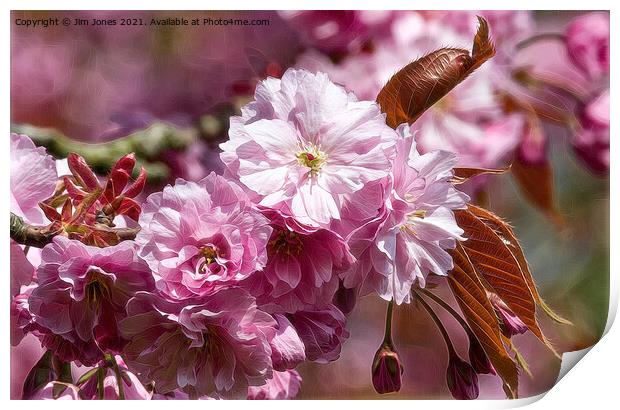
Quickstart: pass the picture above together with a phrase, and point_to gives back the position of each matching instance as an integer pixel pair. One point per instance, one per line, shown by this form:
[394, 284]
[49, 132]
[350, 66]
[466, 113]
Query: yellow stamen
[286, 242]
[311, 157]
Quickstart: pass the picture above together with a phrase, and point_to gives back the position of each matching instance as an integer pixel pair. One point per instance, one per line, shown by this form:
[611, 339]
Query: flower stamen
[286, 242]
[209, 253]
[412, 218]
[311, 157]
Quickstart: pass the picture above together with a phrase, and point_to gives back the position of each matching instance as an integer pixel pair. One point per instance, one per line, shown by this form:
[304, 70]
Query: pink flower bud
[386, 370]
[462, 379]
[509, 322]
[587, 42]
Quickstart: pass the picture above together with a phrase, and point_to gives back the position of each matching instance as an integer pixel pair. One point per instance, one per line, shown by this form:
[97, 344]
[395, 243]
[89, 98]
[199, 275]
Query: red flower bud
[509, 322]
[386, 370]
[462, 379]
[478, 358]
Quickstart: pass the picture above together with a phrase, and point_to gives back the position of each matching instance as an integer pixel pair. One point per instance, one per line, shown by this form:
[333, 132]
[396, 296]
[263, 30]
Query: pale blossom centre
[312, 157]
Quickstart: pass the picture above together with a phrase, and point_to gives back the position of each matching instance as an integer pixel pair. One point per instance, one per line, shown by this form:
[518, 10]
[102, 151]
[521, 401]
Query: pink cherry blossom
[81, 294]
[132, 388]
[287, 348]
[47, 392]
[22, 271]
[409, 240]
[302, 266]
[338, 31]
[323, 331]
[591, 142]
[218, 344]
[195, 162]
[587, 42]
[282, 386]
[305, 143]
[198, 235]
[469, 121]
[33, 178]
[21, 318]
[180, 395]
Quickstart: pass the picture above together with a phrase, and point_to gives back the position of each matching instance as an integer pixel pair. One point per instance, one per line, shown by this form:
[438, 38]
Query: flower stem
[119, 377]
[440, 326]
[148, 144]
[387, 339]
[29, 235]
[37, 236]
[100, 377]
[450, 310]
[538, 38]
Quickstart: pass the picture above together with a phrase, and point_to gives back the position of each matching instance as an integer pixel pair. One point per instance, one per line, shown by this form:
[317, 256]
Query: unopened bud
[509, 322]
[386, 370]
[478, 357]
[462, 379]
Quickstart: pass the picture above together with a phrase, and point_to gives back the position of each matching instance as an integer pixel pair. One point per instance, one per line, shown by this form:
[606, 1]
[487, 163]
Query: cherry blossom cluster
[502, 113]
[232, 281]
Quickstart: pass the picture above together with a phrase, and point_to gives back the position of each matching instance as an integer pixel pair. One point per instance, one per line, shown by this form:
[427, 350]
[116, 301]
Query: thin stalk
[387, 339]
[540, 37]
[119, 377]
[100, 377]
[440, 326]
[449, 309]
[148, 144]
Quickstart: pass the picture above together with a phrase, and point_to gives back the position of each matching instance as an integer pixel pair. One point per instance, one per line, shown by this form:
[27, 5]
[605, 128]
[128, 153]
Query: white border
[594, 382]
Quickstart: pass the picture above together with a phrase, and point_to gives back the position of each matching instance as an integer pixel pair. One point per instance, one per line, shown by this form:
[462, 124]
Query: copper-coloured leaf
[523, 365]
[497, 266]
[503, 229]
[85, 205]
[535, 180]
[471, 297]
[422, 83]
[82, 172]
[464, 174]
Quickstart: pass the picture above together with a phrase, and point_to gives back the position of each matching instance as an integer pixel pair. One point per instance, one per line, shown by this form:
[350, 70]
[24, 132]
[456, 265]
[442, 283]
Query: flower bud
[478, 357]
[345, 299]
[509, 322]
[386, 370]
[462, 379]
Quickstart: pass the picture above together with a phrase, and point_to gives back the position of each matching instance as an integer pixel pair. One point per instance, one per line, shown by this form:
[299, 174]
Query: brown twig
[36, 236]
[29, 235]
